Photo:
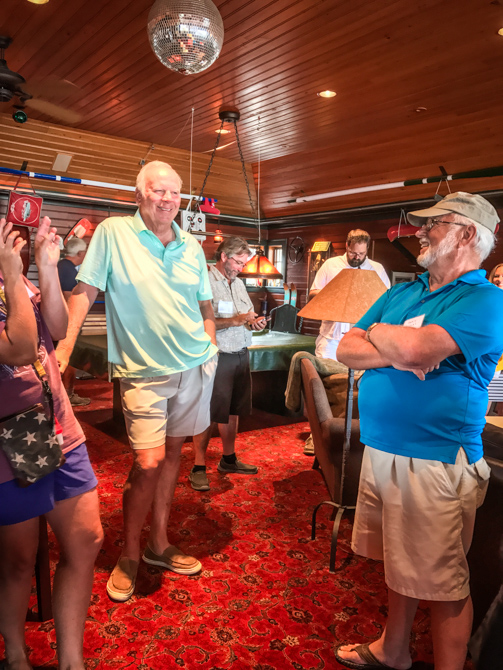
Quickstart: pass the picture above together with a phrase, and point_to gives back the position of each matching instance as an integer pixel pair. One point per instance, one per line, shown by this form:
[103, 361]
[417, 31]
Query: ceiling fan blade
[49, 108]
[51, 87]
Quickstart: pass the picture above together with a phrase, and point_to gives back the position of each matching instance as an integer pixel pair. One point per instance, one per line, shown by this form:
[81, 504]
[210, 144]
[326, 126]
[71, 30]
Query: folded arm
[418, 350]
[356, 352]
[408, 347]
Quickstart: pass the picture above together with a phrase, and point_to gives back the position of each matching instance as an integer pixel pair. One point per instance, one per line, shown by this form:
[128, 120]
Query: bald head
[155, 168]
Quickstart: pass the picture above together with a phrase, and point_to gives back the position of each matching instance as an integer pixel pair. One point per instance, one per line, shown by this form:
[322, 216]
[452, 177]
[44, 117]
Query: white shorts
[326, 348]
[175, 405]
[418, 516]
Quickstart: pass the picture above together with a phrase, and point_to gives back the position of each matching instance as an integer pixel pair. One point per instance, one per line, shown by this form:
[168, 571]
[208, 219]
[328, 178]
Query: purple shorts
[76, 476]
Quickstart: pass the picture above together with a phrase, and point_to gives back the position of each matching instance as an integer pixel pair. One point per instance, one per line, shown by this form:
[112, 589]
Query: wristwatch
[370, 329]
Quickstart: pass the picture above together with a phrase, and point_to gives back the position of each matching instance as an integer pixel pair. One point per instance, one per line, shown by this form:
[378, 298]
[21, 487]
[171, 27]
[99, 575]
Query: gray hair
[141, 179]
[74, 246]
[485, 240]
[232, 246]
[358, 236]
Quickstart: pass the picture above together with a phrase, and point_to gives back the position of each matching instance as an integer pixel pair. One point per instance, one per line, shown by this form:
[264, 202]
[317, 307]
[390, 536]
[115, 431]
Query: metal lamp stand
[339, 506]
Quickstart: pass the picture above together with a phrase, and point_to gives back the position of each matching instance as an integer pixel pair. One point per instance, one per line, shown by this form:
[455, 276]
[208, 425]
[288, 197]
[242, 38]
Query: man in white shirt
[357, 245]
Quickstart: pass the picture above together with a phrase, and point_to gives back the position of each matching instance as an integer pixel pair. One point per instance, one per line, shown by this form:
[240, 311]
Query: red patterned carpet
[265, 599]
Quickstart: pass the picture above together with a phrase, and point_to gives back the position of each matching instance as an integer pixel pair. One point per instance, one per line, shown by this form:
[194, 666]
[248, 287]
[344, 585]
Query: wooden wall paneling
[115, 160]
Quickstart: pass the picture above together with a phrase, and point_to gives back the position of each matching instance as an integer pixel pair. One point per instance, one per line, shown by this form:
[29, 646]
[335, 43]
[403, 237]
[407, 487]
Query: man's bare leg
[228, 432]
[392, 648]
[68, 378]
[201, 442]
[451, 626]
[138, 495]
[19, 548]
[230, 462]
[164, 492]
[77, 526]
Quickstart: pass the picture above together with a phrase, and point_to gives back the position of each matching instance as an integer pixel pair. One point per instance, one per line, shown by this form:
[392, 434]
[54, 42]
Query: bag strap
[44, 380]
[40, 372]
[29, 182]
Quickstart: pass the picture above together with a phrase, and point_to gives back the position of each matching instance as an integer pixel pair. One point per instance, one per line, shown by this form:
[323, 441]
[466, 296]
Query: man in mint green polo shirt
[429, 348]
[162, 346]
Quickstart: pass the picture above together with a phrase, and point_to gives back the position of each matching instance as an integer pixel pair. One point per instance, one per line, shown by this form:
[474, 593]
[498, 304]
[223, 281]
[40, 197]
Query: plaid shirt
[234, 338]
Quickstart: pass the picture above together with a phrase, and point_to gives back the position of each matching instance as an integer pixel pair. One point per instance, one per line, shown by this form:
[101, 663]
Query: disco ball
[185, 35]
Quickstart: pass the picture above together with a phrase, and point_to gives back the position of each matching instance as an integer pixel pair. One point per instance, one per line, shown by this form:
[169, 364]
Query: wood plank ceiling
[418, 83]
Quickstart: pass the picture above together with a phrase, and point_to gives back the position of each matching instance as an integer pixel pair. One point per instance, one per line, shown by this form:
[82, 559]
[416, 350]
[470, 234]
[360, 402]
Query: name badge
[225, 307]
[415, 322]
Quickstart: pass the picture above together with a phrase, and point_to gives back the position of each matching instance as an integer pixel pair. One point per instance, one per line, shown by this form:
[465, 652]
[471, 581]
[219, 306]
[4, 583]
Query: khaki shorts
[175, 405]
[418, 516]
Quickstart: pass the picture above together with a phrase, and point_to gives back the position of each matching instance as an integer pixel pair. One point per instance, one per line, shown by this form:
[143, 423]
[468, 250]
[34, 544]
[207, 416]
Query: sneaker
[78, 401]
[199, 481]
[173, 559]
[309, 446]
[238, 467]
[121, 583]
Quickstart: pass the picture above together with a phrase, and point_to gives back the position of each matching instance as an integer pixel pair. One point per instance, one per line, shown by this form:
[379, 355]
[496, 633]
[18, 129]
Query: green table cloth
[270, 350]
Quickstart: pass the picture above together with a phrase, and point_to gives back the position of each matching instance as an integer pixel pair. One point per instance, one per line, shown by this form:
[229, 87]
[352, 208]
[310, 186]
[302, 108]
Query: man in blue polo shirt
[161, 344]
[430, 348]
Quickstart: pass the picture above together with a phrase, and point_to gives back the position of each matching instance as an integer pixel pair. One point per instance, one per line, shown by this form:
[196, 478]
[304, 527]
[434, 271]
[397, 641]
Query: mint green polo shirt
[152, 294]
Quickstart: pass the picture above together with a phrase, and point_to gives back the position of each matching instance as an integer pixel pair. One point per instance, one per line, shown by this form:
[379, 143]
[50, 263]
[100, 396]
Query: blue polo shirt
[152, 294]
[432, 419]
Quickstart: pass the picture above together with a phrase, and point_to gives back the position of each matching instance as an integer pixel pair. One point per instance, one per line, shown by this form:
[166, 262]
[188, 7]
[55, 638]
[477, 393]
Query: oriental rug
[264, 600]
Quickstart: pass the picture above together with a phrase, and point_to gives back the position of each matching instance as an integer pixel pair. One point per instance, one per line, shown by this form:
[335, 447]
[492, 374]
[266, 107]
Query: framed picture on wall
[402, 277]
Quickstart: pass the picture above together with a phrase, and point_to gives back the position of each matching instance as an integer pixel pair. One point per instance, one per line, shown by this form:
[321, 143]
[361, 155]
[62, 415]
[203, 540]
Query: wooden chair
[285, 319]
[340, 466]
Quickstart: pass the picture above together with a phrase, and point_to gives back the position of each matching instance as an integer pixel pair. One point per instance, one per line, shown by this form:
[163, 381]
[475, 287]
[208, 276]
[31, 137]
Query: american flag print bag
[31, 440]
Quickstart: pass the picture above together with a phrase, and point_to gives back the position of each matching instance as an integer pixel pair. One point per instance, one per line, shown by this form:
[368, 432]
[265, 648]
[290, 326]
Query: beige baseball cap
[473, 206]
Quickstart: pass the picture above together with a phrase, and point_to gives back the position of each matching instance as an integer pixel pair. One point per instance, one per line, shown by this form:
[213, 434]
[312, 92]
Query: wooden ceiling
[419, 84]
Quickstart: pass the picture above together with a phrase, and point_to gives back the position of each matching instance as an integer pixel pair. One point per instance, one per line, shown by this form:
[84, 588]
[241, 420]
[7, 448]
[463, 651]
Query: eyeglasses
[240, 264]
[433, 222]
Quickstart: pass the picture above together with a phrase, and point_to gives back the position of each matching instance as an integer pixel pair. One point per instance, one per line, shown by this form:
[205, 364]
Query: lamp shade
[346, 298]
[260, 267]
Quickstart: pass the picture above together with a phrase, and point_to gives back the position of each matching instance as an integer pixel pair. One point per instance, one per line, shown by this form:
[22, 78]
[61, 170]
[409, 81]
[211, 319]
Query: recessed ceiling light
[500, 32]
[421, 109]
[327, 94]
[39, 2]
[222, 131]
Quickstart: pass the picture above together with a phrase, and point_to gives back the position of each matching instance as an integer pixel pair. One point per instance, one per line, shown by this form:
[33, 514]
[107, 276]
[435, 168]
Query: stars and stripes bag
[32, 439]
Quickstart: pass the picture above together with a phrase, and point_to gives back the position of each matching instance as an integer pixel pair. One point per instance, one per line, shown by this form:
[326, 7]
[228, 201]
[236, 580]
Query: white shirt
[334, 330]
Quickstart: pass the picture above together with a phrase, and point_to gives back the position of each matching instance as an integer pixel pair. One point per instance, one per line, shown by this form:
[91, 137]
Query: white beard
[427, 255]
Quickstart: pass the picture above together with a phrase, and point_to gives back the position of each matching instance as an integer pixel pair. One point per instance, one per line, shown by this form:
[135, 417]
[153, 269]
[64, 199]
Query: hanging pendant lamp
[185, 35]
[259, 266]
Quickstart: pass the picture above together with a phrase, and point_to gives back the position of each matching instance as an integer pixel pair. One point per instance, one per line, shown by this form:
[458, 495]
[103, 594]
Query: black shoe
[238, 468]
